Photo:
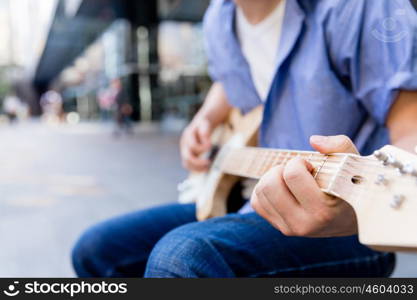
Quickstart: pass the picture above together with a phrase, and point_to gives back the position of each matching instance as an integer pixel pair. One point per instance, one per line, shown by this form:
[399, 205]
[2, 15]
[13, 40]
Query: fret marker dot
[357, 179]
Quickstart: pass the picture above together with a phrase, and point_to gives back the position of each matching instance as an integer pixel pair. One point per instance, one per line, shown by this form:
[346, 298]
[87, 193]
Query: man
[319, 67]
[289, 199]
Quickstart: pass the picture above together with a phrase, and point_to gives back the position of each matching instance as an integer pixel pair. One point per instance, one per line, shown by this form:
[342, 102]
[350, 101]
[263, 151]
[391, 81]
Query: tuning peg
[388, 159]
[396, 201]
[409, 169]
[394, 162]
[381, 180]
[381, 156]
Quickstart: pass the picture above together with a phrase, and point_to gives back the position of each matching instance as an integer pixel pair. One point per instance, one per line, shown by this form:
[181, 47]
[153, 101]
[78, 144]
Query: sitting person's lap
[120, 246]
[167, 241]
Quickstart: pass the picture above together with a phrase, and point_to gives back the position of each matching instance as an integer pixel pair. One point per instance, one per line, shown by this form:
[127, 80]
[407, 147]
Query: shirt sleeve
[373, 48]
[208, 32]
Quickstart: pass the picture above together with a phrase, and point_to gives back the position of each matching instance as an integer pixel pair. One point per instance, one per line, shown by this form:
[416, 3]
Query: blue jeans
[167, 241]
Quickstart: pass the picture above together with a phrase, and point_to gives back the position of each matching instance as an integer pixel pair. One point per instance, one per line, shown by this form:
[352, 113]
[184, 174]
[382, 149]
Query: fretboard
[251, 162]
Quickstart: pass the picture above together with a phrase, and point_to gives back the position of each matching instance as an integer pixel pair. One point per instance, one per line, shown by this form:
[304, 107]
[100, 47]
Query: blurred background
[93, 97]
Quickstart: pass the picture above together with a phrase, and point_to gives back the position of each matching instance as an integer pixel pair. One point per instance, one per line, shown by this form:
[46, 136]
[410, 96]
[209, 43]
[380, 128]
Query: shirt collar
[291, 29]
[292, 26]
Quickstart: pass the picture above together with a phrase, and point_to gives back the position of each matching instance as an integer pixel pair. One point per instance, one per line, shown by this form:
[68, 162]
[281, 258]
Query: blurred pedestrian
[106, 100]
[51, 103]
[124, 110]
[11, 107]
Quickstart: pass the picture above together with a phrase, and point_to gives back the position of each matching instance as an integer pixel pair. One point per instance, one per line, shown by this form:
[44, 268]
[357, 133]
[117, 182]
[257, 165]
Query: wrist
[201, 117]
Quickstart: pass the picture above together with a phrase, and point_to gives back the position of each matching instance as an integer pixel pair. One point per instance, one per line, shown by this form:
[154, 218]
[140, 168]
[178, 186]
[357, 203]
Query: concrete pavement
[57, 181]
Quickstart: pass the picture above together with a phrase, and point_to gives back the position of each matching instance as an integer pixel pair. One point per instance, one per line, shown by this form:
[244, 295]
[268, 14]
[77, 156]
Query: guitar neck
[251, 162]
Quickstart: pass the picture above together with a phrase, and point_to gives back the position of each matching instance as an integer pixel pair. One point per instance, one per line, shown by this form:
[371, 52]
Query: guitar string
[312, 161]
[319, 158]
[331, 169]
[353, 192]
[291, 152]
[334, 159]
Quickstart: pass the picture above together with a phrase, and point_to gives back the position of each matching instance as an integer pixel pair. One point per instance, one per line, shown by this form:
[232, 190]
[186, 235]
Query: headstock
[385, 200]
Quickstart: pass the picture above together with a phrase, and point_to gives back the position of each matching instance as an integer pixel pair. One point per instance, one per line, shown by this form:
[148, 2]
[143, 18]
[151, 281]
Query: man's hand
[195, 141]
[289, 198]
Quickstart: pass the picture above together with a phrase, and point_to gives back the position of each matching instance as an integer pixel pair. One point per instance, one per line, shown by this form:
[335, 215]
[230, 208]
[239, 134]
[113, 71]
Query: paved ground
[55, 182]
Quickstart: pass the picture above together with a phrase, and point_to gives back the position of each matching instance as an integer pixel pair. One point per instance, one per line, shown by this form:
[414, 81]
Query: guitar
[381, 188]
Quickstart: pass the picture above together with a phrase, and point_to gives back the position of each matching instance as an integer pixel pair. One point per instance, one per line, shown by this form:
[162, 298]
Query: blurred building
[24, 25]
[154, 47]
[25, 46]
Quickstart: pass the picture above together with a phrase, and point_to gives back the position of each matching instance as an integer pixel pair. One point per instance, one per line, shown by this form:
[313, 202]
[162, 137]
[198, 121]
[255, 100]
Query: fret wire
[276, 159]
[287, 158]
[252, 161]
[259, 162]
[282, 156]
[256, 161]
[336, 174]
[309, 158]
[259, 165]
[267, 158]
[237, 165]
[279, 158]
[265, 164]
[271, 160]
[244, 164]
[321, 166]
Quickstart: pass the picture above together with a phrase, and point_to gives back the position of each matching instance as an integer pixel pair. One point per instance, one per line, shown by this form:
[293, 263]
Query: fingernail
[318, 139]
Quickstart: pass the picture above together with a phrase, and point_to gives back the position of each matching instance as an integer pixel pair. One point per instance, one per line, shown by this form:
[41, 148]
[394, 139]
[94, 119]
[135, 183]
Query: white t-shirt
[259, 44]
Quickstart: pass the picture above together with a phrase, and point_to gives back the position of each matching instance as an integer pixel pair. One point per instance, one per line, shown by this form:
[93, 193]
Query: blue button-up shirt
[340, 65]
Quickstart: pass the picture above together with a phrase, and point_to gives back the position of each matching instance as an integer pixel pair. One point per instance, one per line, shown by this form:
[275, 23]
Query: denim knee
[88, 254]
[187, 252]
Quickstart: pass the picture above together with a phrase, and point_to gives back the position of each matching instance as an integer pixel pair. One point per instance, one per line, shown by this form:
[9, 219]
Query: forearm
[402, 121]
[408, 142]
[215, 108]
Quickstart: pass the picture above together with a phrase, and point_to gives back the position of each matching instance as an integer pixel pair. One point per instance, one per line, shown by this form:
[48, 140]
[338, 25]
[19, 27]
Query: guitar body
[210, 190]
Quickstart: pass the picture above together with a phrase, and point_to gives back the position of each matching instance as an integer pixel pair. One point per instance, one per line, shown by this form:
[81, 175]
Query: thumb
[333, 144]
